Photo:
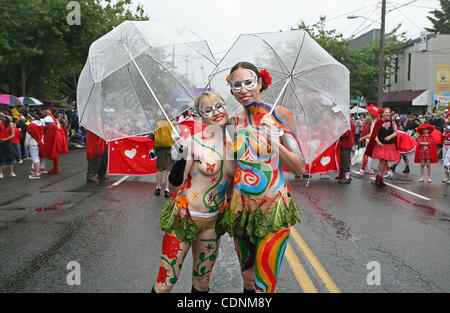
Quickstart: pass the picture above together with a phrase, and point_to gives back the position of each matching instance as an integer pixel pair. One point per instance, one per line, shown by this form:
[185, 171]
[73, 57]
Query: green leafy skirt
[256, 217]
[182, 224]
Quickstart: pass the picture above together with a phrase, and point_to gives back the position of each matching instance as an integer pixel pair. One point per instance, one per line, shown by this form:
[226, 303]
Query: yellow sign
[442, 77]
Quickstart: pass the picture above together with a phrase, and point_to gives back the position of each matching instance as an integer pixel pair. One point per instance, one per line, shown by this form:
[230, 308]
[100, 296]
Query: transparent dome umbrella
[306, 79]
[139, 73]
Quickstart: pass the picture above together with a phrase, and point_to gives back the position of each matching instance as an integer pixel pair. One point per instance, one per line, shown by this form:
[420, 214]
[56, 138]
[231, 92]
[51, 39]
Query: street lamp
[381, 59]
[352, 17]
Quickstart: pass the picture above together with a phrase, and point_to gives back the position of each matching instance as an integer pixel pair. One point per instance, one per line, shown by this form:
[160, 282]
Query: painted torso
[258, 170]
[210, 174]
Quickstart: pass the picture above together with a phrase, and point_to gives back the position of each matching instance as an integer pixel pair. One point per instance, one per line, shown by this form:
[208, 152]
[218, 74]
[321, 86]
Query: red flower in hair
[266, 77]
[228, 80]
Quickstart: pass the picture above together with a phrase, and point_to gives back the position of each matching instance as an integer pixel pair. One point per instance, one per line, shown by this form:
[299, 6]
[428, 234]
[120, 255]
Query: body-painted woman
[261, 209]
[189, 220]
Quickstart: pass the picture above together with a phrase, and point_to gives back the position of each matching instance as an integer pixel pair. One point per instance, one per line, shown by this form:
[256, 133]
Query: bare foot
[421, 180]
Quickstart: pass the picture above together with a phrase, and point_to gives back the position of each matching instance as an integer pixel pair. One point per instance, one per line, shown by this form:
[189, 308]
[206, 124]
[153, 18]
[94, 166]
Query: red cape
[95, 146]
[405, 142]
[37, 132]
[434, 158]
[372, 142]
[55, 140]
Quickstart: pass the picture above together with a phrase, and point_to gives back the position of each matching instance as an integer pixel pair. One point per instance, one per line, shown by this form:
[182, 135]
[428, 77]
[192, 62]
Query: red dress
[426, 152]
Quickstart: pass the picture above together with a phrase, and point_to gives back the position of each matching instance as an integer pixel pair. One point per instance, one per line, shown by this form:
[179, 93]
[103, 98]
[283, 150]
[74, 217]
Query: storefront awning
[404, 97]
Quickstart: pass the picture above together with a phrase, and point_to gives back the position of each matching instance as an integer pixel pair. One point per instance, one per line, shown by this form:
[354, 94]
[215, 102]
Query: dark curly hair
[248, 66]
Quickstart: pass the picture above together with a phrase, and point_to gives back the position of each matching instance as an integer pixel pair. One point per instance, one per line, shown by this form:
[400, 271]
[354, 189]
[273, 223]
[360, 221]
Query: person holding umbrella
[261, 209]
[7, 132]
[189, 220]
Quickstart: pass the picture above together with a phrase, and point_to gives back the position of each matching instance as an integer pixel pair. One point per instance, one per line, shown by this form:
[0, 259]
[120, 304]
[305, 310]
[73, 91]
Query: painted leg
[269, 254]
[204, 253]
[172, 257]
[246, 254]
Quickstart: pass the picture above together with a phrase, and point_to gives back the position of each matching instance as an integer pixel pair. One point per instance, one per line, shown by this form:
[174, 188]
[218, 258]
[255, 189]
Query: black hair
[248, 66]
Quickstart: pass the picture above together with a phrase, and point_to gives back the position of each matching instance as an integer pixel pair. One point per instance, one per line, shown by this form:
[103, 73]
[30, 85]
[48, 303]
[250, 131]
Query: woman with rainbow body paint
[261, 209]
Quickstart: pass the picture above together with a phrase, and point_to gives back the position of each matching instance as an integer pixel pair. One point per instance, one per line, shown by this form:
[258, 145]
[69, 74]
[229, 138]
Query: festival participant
[383, 144]
[405, 144]
[97, 157]
[446, 150]
[369, 123]
[346, 142]
[190, 218]
[7, 132]
[34, 143]
[261, 209]
[55, 141]
[426, 152]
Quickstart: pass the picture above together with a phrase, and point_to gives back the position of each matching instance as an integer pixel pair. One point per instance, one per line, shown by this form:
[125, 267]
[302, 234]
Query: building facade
[421, 81]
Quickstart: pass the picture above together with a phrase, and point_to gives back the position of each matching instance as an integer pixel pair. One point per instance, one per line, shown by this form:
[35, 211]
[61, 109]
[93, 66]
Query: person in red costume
[34, 142]
[374, 113]
[97, 157]
[426, 151]
[383, 144]
[55, 141]
[346, 143]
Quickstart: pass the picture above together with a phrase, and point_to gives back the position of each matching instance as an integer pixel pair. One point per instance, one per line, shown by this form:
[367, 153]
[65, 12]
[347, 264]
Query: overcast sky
[220, 22]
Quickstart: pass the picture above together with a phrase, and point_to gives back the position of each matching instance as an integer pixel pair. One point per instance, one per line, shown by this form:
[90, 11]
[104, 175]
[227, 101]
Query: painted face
[213, 111]
[245, 86]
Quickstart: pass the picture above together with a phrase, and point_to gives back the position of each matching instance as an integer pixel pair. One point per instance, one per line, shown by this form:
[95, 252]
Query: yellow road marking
[299, 271]
[312, 259]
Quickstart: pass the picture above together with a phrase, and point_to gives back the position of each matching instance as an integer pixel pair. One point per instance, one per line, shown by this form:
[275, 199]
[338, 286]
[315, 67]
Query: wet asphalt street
[353, 238]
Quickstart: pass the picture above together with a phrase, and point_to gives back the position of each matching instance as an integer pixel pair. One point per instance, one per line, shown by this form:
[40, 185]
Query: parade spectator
[21, 124]
[346, 143]
[34, 143]
[412, 124]
[426, 152]
[15, 141]
[383, 144]
[97, 157]
[7, 132]
[164, 162]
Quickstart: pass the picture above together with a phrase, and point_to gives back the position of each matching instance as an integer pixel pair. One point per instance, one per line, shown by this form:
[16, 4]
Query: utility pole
[381, 59]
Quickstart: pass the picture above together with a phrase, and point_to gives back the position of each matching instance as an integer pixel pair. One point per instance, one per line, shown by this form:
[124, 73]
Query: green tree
[441, 20]
[41, 55]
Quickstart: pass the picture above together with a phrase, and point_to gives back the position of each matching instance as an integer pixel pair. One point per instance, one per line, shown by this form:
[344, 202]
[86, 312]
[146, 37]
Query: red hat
[374, 110]
[424, 126]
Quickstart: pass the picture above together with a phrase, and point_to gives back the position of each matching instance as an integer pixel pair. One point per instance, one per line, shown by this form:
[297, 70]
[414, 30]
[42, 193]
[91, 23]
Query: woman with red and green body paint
[261, 209]
[189, 220]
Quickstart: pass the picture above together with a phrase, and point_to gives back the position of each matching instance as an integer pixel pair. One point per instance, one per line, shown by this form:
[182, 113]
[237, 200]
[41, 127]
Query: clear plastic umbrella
[139, 73]
[305, 79]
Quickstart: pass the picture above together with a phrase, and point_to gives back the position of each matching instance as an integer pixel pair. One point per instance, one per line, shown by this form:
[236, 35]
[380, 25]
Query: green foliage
[441, 20]
[41, 55]
[362, 64]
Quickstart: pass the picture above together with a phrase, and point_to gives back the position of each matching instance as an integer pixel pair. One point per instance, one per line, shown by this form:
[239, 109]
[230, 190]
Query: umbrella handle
[279, 96]
[151, 90]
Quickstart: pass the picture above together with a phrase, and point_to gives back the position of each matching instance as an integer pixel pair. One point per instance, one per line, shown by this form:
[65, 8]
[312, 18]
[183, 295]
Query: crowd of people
[398, 137]
[38, 134]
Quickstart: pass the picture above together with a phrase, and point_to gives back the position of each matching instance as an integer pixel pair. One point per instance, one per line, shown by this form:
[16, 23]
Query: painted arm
[289, 152]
